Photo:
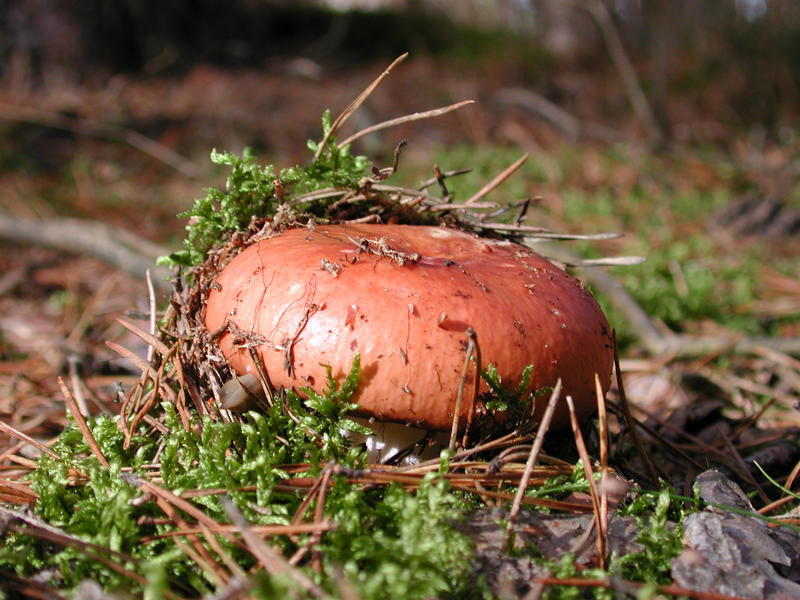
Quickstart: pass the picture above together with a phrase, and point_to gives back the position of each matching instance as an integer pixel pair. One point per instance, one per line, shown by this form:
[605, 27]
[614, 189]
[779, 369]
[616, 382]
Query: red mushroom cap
[402, 297]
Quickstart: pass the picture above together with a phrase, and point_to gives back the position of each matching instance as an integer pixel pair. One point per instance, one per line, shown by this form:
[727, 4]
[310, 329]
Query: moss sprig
[253, 191]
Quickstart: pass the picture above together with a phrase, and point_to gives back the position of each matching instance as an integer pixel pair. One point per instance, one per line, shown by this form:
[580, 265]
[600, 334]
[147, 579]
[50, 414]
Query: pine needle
[536, 448]
[81, 422]
[500, 178]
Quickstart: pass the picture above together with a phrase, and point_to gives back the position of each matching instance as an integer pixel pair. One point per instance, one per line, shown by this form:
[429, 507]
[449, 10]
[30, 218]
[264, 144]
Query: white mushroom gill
[390, 439]
[244, 392]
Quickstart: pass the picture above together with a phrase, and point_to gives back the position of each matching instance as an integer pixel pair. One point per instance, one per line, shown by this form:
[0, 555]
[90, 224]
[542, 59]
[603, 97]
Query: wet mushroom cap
[403, 297]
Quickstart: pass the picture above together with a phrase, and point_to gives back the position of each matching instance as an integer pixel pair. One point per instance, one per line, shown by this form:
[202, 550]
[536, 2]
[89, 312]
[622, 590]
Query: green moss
[382, 534]
[253, 191]
[659, 536]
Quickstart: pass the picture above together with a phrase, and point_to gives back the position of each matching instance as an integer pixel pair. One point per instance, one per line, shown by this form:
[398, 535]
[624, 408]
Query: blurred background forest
[674, 122]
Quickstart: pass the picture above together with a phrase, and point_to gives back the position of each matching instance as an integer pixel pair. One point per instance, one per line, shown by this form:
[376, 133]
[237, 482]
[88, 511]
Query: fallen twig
[624, 67]
[436, 112]
[657, 341]
[536, 448]
[109, 131]
[124, 250]
[568, 124]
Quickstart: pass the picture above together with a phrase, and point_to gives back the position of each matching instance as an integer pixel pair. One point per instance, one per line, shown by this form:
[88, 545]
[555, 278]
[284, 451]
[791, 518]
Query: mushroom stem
[241, 393]
[389, 440]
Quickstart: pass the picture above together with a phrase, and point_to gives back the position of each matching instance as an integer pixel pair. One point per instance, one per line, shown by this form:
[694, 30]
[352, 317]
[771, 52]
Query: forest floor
[715, 211]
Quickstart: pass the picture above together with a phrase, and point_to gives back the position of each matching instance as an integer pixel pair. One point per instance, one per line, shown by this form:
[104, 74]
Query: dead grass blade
[560, 505]
[319, 517]
[460, 394]
[744, 470]
[612, 235]
[792, 476]
[356, 103]
[476, 384]
[580, 444]
[168, 503]
[225, 528]
[602, 427]
[139, 402]
[320, 481]
[140, 363]
[149, 338]
[74, 378]
[21, 460]
[608, 261]
[500, 178]
[681, 432]
[151, 300]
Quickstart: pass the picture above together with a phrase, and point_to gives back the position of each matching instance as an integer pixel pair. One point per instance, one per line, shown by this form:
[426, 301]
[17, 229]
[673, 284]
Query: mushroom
[405, 299]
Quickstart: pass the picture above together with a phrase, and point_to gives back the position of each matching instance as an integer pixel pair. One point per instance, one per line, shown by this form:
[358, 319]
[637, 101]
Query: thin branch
[541, 106]
[624, 67]
[568, 124]
[536, 448]
[436, 112]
